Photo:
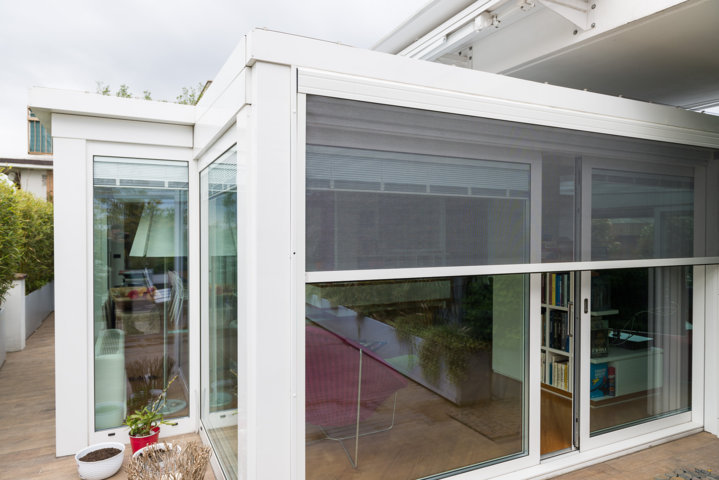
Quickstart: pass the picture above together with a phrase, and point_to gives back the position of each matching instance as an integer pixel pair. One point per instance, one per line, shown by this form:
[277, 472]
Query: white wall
[38, 305]
[35, 182]
[13, 317]
[22, 314]
[3, 353]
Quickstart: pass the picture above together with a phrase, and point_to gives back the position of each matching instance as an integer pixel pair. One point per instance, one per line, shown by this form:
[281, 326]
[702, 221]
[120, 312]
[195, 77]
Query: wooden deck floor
[696, 451]
[27, 414]
[27, 429]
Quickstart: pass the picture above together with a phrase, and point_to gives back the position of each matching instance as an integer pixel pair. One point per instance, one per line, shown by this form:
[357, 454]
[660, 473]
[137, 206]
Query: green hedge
[9, 234]
[26, 239]
[37, 242]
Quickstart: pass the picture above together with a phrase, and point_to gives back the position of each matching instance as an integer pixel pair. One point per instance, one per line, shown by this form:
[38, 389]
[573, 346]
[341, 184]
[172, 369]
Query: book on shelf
[599, 380]
[555, 289]
[599, 337]
[560, 377]
[559, 330]
[558, 288]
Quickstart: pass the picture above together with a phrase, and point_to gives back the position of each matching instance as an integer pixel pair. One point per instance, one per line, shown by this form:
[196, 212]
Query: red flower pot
[138, 442]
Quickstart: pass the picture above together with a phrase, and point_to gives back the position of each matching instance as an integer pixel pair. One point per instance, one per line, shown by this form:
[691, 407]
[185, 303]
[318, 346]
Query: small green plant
[145, 419]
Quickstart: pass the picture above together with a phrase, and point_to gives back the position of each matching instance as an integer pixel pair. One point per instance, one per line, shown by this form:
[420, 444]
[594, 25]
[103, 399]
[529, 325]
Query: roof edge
[45, 101]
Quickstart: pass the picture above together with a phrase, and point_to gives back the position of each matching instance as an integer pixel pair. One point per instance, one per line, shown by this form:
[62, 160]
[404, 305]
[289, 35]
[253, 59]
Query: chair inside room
[346, 384]
[110, 379]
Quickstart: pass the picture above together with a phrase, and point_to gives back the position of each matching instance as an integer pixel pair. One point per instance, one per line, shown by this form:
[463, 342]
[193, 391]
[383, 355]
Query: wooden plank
[27, 414]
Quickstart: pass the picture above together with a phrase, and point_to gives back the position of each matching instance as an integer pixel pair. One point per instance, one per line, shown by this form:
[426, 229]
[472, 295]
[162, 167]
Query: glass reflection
[140, 299]
[641, 215]
[409, 378]
[641, 342]
[375, 209]
[218, 193]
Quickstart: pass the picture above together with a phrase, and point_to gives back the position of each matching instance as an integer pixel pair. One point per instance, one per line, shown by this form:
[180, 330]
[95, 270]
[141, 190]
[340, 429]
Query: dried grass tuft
[164, 462]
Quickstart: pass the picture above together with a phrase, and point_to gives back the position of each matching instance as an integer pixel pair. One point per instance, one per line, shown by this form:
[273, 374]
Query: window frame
[337, 85]
[94, 149]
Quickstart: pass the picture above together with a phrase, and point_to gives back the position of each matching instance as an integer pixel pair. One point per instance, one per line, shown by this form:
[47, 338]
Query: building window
[220, 412]
[141, 332]
[371, 209]
[641, 346]
[39, 140]
[415, 377]
[391, 188]
[641, 215]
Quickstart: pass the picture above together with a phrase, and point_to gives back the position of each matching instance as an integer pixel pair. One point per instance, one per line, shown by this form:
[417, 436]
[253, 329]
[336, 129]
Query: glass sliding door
[637, 321]
[396, 198]
[424, 376]
[413, 378]
[558, 363]
[218, 226]
[141, 333]
[640, 346]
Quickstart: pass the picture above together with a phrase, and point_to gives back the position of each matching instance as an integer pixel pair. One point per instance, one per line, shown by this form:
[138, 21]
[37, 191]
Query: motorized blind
[131, 172]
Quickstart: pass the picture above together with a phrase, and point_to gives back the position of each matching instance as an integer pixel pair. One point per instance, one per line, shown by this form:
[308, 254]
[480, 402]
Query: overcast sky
[155, 45]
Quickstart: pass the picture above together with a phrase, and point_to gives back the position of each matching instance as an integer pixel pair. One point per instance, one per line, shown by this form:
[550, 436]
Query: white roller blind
[133, 172]
[222, 176]
[349, 169]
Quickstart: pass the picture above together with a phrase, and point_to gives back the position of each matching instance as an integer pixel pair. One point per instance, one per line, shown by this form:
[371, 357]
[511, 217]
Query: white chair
[110, 379]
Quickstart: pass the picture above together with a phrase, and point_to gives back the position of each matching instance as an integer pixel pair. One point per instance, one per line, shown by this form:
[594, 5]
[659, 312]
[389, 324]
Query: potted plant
[100, 461]
[145, 423]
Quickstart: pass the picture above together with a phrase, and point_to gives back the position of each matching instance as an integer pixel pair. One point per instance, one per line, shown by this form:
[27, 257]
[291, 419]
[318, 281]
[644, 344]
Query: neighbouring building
[32, 172]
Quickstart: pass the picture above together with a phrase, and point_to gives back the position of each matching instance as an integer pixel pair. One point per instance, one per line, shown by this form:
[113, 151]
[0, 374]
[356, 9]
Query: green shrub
[9, 234]
[26, 238]
[36, 241]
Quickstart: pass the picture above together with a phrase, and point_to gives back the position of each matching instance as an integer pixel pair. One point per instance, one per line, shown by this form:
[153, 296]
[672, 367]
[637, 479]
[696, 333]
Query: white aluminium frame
[90, 130]
[594, 449]
[223, 146]
[147, 152]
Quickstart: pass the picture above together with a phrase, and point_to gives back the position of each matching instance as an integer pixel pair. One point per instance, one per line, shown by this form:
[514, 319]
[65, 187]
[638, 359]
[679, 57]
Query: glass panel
[641, 339]
[641, 215]
[395, 187]
[557, 362]
[218, 194]
[558, 208]
[140, 297]
[415, 377]
[374, 209]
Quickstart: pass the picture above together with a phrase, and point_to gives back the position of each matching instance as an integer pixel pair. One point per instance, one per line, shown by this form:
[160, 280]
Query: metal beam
[576, 11]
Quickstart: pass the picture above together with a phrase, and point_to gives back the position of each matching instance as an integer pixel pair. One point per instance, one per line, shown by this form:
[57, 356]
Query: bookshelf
[557, 330]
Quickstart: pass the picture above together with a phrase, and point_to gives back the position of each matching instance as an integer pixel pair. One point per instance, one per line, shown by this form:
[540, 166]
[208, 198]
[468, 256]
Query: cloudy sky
[155, 45]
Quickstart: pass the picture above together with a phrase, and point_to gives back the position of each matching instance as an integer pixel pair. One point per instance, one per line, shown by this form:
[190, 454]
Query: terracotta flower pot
[138, 442]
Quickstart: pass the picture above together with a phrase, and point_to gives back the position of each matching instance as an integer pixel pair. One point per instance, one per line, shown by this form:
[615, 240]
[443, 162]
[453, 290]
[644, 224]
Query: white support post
[269, 261]
[71, 310]
[711, 356]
